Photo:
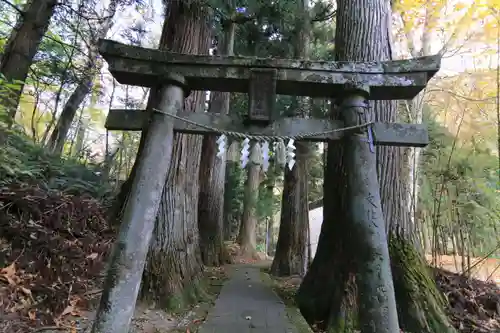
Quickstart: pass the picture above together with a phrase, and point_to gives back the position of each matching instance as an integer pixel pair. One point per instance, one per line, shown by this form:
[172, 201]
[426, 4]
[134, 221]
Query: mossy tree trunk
[328, 294]
[247, 236]
[291, 257]
[172, 273]
[212, 173]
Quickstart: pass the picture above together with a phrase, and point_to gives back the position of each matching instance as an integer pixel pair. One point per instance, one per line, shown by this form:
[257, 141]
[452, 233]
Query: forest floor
[484, 269]
[53, 249]
[55, 238]
[473, 305]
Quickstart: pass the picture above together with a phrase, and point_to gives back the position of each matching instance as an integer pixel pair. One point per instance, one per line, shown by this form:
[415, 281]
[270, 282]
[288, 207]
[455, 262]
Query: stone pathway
[246, 304]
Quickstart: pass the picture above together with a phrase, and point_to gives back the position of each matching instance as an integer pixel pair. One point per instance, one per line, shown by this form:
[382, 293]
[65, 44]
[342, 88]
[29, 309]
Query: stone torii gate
[353, 84]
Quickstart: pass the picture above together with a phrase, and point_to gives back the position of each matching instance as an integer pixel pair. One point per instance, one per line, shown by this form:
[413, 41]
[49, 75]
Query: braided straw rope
[240, 135]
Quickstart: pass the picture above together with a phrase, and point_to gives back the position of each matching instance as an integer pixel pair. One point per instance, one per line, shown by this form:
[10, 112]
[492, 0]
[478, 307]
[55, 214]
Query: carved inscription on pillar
[262, 95]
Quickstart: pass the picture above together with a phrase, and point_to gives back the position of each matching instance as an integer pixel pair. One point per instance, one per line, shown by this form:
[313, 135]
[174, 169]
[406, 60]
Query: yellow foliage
[449, 22]
[466, 103]
[31, 117]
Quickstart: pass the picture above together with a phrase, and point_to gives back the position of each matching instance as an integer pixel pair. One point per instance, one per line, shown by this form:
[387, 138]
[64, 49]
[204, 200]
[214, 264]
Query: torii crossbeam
[401, 79]
[350, 84]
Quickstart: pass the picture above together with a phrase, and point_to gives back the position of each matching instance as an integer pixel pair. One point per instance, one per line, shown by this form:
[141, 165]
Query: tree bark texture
[22, 46]
[271, 247]
[116, 210]
[228, 215]
[212, 174]
[291, 256]
[333, 301]
[247, 237]
[92, 67]
[362, 34]
[231, 198]
[420, 303]
[174, 263]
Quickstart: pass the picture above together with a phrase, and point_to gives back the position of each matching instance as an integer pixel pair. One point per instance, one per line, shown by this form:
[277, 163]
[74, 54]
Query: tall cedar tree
[174, 262]
[363, 34]
[291, 256]
[212, 174]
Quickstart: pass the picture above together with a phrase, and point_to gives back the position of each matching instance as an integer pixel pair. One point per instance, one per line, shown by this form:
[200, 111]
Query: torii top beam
[389, 80]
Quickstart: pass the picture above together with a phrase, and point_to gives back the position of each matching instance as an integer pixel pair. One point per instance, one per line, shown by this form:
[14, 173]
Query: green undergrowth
[198, 301]
[23, 162]
[287, 291]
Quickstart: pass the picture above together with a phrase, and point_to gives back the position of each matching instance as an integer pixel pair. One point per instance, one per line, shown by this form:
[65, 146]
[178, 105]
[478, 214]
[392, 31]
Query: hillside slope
[54, 234]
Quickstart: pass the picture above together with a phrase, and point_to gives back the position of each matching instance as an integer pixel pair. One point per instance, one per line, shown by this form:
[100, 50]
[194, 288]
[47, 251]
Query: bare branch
[17, 9]
[325, 17]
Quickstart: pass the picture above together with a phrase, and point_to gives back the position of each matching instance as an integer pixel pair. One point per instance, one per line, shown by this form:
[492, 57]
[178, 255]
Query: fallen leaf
[74, 301]
[73, 327]
[57, 321]
[9, 270]
[26, 291]
[32, 315]
[92, 256]
[69, 309]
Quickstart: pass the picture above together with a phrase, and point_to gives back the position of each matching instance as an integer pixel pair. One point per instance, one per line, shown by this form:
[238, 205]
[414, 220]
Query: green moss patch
[420, 304]
[192, 316]
[286, 289]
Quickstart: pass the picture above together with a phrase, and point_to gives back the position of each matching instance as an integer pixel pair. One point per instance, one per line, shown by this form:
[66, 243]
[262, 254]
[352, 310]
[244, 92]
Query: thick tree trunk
[291, 256]
[116, 210]
[247, 237]
[228, 204]
[269, 235]
[271, 178]
[60, 132]
[228, 207]
[321, 294]
[22, 46]
[212, 173]
[211, 202]
[328, 292]
[420, 304]
[174, 264]
[233, 207]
